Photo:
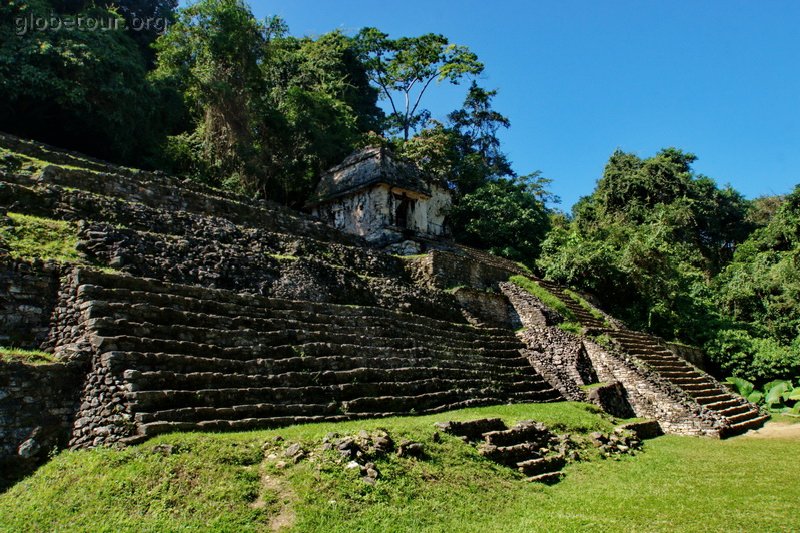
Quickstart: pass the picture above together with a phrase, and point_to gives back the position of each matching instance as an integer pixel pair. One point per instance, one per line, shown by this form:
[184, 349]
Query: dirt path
[776, 430]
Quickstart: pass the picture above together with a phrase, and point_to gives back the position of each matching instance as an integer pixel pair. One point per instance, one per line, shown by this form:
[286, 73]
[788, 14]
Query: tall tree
[648, 240]
[465, 152]
[213, 54]
[506, 216]
[404, 68]
[323, 107]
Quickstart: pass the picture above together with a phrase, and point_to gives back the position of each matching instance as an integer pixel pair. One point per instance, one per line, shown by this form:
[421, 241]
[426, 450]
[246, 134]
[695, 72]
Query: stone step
[651, 352]
[119, 362]
[115, 288]
[689, 380]
[668, 366]
[226, 338]
[732, 410]
[150, 400]
[690, 387]
[705, 392]
[511, 455]
[547, 479]
[543, 465]
[161, 380]
[706, 400]
[631, 334]
[238, 412]
[677, 374]
[742, 427]
[420, 402]
[154, 307]
[742, 417]
[730, 402]
[245, 353]
[145, 313]
[524, 432]
[246, 424]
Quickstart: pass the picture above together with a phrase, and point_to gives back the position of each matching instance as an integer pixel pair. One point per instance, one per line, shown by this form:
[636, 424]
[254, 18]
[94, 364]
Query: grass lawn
[34, 237]
[222, 482]
[30, 357]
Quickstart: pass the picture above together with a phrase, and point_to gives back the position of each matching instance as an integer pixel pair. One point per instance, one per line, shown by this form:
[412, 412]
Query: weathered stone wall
[37, 408]
[560, 358]
[365, 213]
[67, 333]
[28, 292]
[104, 414]
[247, 262]
[613, 399]
[694, 355]
[370, 213]
[531, 312]
[650, 396]
[445, 269]
[486, 308]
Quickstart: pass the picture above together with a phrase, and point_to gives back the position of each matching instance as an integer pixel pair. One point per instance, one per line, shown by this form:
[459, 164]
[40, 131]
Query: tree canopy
[671, 252]
[404, 68]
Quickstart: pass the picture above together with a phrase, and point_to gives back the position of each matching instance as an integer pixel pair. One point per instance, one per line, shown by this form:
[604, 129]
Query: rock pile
[528, 446]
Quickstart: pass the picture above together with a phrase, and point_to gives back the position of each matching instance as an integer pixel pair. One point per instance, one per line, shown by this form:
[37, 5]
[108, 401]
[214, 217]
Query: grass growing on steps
[545, 296]
[43, 238]
[30, 357]
[586, 305]
[221, 482]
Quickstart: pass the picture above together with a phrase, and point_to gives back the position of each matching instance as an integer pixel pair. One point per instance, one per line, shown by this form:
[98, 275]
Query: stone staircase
[179, 357]
[586, 319]
[737, 414]
[527, 446]
[740, 414]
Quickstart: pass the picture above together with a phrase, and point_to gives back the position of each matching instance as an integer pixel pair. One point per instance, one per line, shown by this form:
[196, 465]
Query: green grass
[785, 418]
[284, 257]
[545, 296]
[31, 357]
[221, 482]
[524, 267]
[571, 327]
[43, 238]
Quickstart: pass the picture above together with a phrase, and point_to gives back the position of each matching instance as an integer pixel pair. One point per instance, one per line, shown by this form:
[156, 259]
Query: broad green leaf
[794, 395]
[743, 387]
[775, 394]
[755, 397]
[778, 382]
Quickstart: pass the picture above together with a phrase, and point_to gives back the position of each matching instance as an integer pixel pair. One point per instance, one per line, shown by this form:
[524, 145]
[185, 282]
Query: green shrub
[779, 396]
[737, 352]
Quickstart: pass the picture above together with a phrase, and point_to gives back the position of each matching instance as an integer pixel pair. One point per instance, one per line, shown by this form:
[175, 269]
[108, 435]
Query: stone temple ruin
[194, 309]
[384, 200]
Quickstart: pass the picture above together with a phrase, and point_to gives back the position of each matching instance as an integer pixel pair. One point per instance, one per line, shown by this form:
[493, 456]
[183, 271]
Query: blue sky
[579, 79]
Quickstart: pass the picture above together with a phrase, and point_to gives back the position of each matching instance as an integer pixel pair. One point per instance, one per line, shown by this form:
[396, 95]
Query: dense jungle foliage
[237, 102]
